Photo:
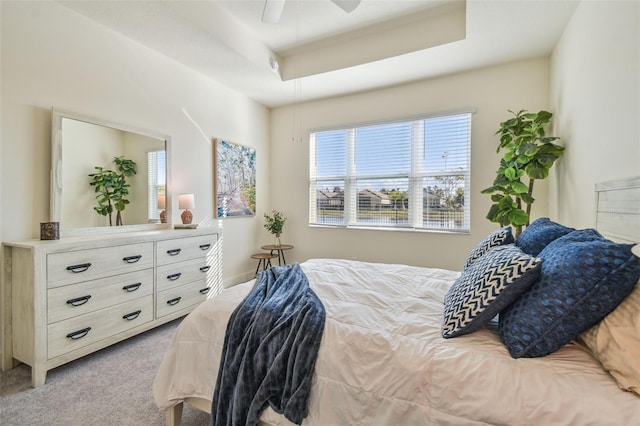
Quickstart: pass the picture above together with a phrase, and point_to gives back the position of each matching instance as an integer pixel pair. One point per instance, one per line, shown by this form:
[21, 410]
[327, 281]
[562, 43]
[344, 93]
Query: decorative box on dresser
[64, 299]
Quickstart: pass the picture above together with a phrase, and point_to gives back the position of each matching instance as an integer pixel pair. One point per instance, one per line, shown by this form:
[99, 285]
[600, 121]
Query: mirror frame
[56, 195]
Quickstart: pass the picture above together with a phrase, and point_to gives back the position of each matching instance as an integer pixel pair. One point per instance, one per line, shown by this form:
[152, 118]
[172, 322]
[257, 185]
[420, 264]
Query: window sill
[394, 229]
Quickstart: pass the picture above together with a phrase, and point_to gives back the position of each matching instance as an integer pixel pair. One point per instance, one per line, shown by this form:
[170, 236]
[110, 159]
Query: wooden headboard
[618, 210]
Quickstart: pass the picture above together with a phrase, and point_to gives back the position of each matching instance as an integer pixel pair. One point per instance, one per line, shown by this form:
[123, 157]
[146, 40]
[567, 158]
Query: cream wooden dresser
[66, 298]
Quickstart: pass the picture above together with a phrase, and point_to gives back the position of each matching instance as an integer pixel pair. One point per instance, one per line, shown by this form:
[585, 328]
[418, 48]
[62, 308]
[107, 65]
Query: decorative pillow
[486, 287]
[539, 234]
[615, 342]
[497, 238]
[583, 277]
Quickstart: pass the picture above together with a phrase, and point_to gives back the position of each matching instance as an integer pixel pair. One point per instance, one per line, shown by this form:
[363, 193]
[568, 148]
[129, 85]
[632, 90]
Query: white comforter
[383, 360]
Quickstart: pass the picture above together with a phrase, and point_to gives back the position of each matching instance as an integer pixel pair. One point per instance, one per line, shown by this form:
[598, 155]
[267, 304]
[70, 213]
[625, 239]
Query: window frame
[416, 186]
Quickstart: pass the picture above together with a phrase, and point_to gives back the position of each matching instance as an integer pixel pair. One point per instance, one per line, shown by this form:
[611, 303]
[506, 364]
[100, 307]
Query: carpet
[109, 387]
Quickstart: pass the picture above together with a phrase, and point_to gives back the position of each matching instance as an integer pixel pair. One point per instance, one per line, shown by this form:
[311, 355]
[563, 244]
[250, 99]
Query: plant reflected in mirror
[112, 188]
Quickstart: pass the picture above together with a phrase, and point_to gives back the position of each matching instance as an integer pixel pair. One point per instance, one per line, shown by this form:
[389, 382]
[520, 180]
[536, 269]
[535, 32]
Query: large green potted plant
[529, 153]
[112, 188]
[274, 224]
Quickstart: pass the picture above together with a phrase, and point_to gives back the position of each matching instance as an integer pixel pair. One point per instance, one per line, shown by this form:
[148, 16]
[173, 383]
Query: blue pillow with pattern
[584, 276]
[487, 287]
[497, 238]
[539, 234]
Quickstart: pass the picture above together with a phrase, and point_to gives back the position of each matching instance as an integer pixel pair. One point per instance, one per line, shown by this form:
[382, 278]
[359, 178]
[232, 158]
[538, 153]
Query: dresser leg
[7, 361]
[6, 307]
[38, 376]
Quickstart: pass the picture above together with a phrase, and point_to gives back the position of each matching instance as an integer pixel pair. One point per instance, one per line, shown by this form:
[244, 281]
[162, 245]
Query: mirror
[80, 144]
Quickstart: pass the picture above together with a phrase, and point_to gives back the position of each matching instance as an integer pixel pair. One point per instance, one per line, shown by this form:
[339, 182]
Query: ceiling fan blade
[347, 5]
[272, 11]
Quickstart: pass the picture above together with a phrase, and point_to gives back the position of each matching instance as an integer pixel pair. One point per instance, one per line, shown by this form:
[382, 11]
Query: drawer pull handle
[174, 277]
[174, 301]
[79, 334]
[205, 268]
[79, 300]
[173, 252]
[132, 315]
[131, 287]
[205, 290]
[205, 246]
[132, 259]
[78, 268]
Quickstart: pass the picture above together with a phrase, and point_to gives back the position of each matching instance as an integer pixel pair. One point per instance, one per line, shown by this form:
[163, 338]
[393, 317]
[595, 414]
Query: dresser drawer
[74, 333]
[77, 299]
[176, 299]
[178, 274]
[175, 250]
[83, 265]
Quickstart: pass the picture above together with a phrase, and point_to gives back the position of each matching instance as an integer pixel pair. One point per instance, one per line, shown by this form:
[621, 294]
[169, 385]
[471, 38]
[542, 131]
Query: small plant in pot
[528, 152]
[274, 224]
[111, 188]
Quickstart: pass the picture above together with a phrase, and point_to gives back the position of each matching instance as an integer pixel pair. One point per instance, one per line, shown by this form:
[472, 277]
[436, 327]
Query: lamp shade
[162, 201]
[186, 201]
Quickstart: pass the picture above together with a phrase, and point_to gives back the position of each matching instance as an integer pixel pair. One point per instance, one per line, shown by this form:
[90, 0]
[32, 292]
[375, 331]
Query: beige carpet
[109, 387]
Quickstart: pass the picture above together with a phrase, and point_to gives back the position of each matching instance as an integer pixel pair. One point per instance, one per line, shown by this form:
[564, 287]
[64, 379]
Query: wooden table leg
[174, 415]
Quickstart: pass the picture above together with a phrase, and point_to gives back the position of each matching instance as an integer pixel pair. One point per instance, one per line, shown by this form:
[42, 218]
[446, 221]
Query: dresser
[64, 299]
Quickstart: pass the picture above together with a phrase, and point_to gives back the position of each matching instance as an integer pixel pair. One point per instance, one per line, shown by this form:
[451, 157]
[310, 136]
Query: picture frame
[234, 179]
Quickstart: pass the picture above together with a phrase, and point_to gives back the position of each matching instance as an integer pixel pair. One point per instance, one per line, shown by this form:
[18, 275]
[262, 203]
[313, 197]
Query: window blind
[404, 174]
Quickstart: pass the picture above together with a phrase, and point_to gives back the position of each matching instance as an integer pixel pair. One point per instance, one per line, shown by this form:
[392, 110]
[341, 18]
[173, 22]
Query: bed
[383, 358]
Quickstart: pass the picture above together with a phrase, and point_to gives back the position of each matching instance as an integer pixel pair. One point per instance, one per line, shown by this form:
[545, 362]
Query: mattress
[383, 359]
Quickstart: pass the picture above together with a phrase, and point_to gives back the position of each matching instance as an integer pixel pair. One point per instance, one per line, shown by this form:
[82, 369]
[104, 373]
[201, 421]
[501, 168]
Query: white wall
[53, 57]
[595, 92]
[491, 91]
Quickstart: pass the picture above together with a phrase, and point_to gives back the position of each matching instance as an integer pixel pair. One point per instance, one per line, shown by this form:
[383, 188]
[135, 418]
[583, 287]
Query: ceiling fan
[273, 8]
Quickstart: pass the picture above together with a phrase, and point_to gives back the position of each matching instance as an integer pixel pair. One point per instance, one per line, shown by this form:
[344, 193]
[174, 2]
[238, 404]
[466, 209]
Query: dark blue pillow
[539, 234]
[497, 238]
[486, 287]
[584, 276]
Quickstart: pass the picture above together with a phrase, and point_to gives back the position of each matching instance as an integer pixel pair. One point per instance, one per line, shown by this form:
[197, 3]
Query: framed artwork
[234, 179]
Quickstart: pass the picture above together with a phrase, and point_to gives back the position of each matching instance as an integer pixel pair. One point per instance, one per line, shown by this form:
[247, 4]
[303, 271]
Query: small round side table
[279, 250]
[264, 259]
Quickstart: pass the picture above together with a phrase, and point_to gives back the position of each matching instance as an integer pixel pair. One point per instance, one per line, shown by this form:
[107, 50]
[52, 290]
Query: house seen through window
[411, 174]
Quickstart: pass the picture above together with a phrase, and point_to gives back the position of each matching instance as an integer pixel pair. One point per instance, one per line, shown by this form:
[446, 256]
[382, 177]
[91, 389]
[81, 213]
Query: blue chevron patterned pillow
[584, 276]
[497, 238]
[485, 288]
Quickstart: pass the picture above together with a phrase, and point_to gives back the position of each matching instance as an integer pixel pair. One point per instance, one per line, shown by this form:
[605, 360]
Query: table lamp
[186, 202]
[162, 200]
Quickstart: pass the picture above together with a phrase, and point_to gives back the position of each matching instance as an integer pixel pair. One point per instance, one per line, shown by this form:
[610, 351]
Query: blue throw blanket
[270, 350]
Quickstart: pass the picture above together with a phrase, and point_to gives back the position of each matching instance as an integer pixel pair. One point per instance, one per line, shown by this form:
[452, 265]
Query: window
[410, 174]
[157, 172]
